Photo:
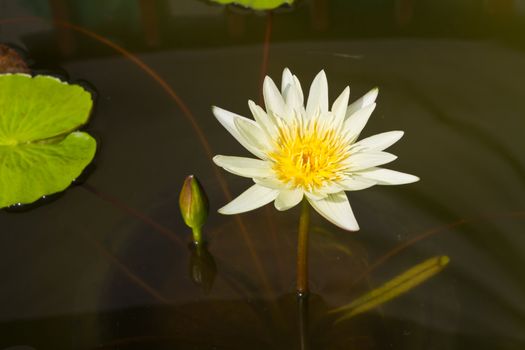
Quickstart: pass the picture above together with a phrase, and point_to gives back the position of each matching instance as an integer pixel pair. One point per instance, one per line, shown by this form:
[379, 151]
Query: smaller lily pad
[11, 62]
[40, 153]
[257, 4]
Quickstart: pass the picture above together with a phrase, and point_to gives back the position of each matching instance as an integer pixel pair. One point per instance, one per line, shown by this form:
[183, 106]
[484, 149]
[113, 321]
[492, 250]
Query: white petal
[318, 96]
[273, 99]
[271, 182]
[366, 100]
[288, 199]
[264, 120]
[365, 160]
[357, 121]
[254, 135]
[298, 90]
[336, 209]
[247, 167]
[356, 183]
[253, 198]
[340, 105]
[286, 80]
[379, 142]
[292, 94]
[227, 119]
[388, 177]
[316, 195]
[292, 99]
[334, 187]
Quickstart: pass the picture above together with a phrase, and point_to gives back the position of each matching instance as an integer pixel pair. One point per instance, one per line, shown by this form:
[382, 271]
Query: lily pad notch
[41, 152]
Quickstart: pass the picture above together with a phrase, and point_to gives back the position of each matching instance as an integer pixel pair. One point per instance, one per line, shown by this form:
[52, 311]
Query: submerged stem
[303, 314]
[302, 250]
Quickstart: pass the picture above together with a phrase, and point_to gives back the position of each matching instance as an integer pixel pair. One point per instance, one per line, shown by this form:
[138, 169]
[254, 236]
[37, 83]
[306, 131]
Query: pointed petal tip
[279, 207]
[388, 177]
[266, 82]
[224, 211]
[217, 159]
[267, 79]
[373, 93]
[397, 135]
[320, 75]
[252, 106]
[351, 227]
[217, 111]
[336, 209]
[254, 197]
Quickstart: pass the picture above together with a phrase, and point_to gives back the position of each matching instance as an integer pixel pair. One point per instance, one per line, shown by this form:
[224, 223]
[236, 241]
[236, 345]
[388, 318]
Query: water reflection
[202, 266]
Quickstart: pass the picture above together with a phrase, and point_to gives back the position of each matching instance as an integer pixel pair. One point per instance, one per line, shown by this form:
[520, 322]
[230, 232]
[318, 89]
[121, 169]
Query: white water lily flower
[308, 152]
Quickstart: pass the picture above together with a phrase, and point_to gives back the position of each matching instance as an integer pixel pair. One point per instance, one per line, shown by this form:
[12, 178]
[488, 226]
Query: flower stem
[302, 250]
[197, 236]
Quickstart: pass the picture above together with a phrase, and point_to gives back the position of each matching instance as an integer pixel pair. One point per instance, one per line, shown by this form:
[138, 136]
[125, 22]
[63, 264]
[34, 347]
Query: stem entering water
[197, 236]
[302, 250]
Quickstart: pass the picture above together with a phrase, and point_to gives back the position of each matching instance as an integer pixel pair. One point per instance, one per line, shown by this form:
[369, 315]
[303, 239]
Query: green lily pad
[257, 4]
[40, 153]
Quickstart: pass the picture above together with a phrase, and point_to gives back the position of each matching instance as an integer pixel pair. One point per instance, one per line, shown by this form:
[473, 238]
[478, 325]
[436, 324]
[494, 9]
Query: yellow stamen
[309, 156]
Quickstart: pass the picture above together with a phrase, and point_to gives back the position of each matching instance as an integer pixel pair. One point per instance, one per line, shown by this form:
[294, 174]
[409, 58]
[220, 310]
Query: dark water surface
[106, 265]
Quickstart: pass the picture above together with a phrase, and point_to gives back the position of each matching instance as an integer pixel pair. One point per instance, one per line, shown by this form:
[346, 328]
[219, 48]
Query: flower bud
[193, 204]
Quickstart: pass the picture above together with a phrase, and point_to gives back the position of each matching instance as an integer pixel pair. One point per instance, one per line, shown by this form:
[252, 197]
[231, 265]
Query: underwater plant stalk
[303, 314]
[302, 250]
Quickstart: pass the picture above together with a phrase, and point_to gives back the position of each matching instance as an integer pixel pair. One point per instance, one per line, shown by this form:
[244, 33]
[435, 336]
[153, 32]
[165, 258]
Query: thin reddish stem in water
[130, 275]
[264, 72]
[266, 52]
[186, 112]
[115, 202]
[429, 233]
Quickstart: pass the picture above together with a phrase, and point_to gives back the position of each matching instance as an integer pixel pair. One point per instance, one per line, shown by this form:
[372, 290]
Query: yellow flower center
[309, 157]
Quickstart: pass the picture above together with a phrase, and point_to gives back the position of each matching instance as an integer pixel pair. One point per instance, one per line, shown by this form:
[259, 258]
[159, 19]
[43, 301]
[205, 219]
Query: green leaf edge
[62, 186]
[244, 3]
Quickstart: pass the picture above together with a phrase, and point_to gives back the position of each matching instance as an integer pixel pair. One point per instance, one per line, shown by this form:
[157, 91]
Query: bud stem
[302, 250]
[197, 236]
